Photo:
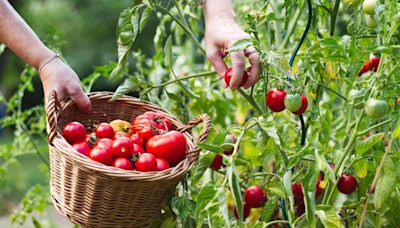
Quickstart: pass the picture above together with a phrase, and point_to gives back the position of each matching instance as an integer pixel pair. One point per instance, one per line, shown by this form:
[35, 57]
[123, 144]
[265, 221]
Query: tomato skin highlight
[171, 146]
[82, 147]
[304, 105]
[275, 100]
[146, 162]
[74, 132]
[246, 211]
[137, 140]
[101, 154]
[104, 130]
[255, 196]
[119, 134]
[162, 164]
[347, 184]
[122, 147]
[122, 163]
[228, 76]
[376, 108]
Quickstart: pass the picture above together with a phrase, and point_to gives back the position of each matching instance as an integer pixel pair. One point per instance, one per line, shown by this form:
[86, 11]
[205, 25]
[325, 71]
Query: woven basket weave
[94, 195]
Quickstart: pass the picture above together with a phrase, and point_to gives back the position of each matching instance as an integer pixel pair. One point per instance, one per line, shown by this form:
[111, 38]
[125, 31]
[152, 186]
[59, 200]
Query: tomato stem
[375, 126]
[251, 100]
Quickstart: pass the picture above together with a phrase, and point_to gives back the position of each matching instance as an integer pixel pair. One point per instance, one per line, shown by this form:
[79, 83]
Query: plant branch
[251, 100]
[375, 126]
[333, 17]
[333, 91]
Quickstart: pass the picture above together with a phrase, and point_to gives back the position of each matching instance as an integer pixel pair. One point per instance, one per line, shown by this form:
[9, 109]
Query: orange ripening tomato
[122, 126]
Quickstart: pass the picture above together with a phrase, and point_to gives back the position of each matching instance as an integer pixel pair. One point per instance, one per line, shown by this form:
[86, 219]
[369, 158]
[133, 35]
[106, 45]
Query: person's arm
[222, 32]
[54, 74]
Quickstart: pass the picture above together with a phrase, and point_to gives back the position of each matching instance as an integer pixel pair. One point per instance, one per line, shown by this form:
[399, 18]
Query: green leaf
[269, 209]
[308, 182]
[146, 14]
[240, 45]
[210, 147]
[328, 216]
[204, 162]
[361, 168]
[179, 108]
[128, 85]
[287, 183]
[168, 52]
[205, 195]
[384, 187]
[366, 144]
[183, 207]
[278, 61]
[234, 185]
[222, 204]
[396, 131]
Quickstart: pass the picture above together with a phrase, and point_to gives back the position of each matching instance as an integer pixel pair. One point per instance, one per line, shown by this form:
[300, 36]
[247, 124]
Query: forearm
[20, 38]
[218, 9]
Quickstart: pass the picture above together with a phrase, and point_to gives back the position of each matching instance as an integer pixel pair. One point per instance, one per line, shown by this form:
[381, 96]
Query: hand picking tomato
[297, 193]
[137, 140]
[304, 105]
[275, 100]
[347, 184]
[162, 164]
[122, 147]
[82, 147]
[246, 211]
[119, 134]
[293, 102]
[171, 146]
[101, 154]
[122, 126]
[74, 132]
[255, 196]
[91, 139]
[146, 162]
[105, 142]
[104, 130]
[376, 108]
[122, 163]
[228, 76]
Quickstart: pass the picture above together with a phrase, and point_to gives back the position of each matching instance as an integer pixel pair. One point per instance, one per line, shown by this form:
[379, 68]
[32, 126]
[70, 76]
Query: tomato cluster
[278, 100]
[148, 144]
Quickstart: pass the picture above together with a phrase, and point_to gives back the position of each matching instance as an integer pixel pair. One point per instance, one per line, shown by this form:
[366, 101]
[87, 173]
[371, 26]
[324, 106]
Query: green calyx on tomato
[356, 97]
[369, 6]
[293, 102]
[376, 108]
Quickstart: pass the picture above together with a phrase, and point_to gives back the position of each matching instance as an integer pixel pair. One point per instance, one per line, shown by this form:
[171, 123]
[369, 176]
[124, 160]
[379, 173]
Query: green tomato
[370, 21]
[376, 108]
[356, 98]
[292, 102]
[353, 3]
[369, 6]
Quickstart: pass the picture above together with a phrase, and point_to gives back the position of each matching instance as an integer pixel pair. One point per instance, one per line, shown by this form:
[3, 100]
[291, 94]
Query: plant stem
[333, 91]
[251, 100]
[333, 17]
[292, 25]
[378, 172]
[375, 126]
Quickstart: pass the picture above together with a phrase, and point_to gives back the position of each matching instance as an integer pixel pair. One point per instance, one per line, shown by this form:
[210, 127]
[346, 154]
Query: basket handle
[52, 108]
[204, 132]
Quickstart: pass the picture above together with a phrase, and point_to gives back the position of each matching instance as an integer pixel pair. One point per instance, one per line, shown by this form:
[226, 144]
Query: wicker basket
[94, 195]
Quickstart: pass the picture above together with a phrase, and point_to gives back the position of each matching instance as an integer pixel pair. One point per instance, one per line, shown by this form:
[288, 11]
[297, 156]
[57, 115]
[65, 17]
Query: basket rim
[62, 147]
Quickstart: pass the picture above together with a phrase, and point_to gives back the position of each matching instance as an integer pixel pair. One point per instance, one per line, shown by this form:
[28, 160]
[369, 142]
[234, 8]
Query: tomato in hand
[122, 126]
[122, 147]
[304, 105]
[171, 146]
[228, 76]
[104, 130]
[74, 132]
[255, 196]
[246, 211]
[91, 139]
[137, 140]
[162, 164]
[347, 184]
[105, 142]
[146, 162]
[122, 163]
[82, 147]
[101, 154]
[275, 100]
[292, 102]
[376, 108]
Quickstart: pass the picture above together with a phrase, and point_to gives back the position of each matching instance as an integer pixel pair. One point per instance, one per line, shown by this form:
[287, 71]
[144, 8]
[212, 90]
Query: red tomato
[74, 132]
[297, 193]
[101, 154]
[347, 184]
[122, 147]
[146, 162]
[105, 142]
[370, 65]
[137, 140]
[300, 209]
[171, 146]
[82, 147]
[318, 190]
[121, 126]
[228, 76]
[217, 162]
[119, 134]
[91, 139]
[255, 196]
[246, 211]
[162, 164]
[304, 104]
[275, 100]
[122, 163]
[150, 124]
[104, 130]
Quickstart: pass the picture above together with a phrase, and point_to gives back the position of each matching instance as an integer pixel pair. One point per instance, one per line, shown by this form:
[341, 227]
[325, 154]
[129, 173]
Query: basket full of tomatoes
[114, 167]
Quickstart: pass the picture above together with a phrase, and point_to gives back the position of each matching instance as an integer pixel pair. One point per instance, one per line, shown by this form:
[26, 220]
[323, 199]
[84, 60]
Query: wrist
[43, 56]
[221, 10]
